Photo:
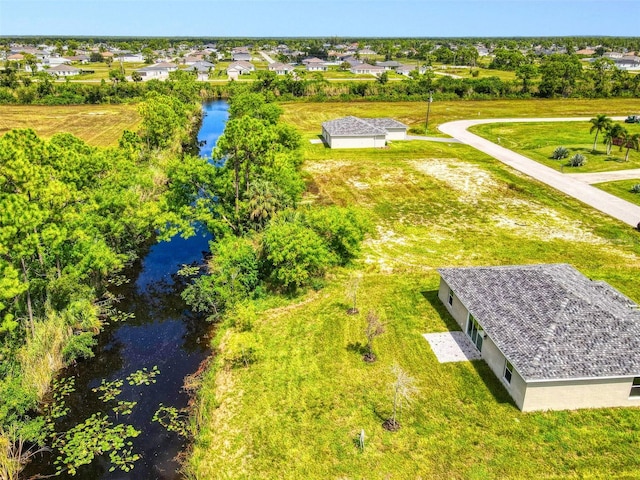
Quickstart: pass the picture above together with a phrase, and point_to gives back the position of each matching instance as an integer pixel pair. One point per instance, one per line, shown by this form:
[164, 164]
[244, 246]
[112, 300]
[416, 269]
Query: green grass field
[297, 411]
[101, 70]
[622, 189]
[98, 125]
[308, 117]
[538, 141]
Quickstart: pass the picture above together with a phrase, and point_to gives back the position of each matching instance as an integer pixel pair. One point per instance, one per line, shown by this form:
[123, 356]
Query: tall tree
[611, 134]
[598, 124]
[630, 141]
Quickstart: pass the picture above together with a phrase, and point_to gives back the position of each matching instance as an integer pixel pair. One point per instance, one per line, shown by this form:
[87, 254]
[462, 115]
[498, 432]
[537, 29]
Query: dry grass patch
[98, 125]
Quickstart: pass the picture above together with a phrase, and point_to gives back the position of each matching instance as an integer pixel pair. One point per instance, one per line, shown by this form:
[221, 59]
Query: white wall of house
[517, 388]
[572, 394]
[372, 141]
[154, 73]
[396, 133]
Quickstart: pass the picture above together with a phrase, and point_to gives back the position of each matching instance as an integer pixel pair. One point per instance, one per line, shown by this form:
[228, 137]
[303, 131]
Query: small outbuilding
[354, 132]
[556, 339]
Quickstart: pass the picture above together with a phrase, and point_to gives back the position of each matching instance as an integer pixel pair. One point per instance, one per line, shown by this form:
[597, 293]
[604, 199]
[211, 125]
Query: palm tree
[599, 123]
[611, 133]
[630, 141]
[264, 202]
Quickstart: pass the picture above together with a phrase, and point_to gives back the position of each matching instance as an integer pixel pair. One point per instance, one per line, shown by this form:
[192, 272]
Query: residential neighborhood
[231, 63]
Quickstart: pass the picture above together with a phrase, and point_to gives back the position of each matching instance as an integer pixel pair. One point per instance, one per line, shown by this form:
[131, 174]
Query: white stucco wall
[396, 134]
[458, 311]
[354, 142]
[573, 394]
[490, 352]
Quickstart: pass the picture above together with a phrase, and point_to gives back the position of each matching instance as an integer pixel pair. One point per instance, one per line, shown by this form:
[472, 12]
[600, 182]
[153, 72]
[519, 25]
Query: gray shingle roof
[385, 123]
[355, 127]
[550, 321]
[64, 68]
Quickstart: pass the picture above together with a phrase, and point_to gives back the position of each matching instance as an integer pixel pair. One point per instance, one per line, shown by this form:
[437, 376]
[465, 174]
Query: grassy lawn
[538, 141]
[622, 189]
[308, 117]
[297, 411]
[483, 73]
[101, 70]
[99, 125]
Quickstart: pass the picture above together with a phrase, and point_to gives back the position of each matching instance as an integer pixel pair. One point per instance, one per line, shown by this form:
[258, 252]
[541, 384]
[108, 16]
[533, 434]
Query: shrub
[635, 188]
[293, 254]
[341, 229]
[79, 346]
[239, 350]
[577, 160]
[560, 153]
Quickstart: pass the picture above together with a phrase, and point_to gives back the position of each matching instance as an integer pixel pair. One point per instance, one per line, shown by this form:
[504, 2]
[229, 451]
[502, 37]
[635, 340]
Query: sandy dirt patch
[471, 181]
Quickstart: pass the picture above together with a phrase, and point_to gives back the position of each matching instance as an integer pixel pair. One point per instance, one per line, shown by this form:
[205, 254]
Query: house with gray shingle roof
[366, 69]
[556, 339]
[280, 68]
[158, 70]
[354, 132]
[236, 69]
[64, 71]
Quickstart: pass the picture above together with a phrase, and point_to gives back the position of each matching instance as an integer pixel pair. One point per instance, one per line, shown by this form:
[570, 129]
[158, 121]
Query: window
[508, 371]
[635, 388]
[450, 297]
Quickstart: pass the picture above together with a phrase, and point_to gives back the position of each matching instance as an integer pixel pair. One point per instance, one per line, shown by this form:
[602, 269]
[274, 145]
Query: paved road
[616, 207]
[599, 177]
[433, 139]
[267, 58]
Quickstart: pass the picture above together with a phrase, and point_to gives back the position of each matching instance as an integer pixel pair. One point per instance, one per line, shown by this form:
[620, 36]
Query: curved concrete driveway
[616, 207]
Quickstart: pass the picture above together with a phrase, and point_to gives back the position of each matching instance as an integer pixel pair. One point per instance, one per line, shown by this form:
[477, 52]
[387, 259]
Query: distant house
[613, 55]
[64, 71]
[366, 51]
[556, 339]
[241, 54]
[158, 71]
[354, 132]
[586, 51]
[15, 57]
[350, 59]
[315, 64]
[83, 59]
[389, 65]
[628, 62]
[202, 69]
[193, 59]
[407, 69]
[235, 69]
[130, 58]
[55, 61]
[366, 69]
[280, 68]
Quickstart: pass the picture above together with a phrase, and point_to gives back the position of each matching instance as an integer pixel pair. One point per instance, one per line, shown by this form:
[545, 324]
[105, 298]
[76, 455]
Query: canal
[162, 333]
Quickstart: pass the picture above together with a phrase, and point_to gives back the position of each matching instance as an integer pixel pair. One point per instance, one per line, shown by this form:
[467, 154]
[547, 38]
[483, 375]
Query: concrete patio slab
[452, 347]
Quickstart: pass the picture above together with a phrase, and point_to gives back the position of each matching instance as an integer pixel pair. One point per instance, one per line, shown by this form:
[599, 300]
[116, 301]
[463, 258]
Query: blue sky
[366, 18]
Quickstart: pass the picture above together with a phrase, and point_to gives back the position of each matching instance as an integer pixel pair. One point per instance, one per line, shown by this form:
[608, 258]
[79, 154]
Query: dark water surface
[163, 333]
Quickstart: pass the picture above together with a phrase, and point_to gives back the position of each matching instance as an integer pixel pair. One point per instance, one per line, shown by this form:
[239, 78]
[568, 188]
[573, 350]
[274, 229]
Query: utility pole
[426, 127]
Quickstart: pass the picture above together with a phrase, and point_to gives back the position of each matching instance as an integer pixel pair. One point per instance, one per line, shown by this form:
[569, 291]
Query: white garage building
[354, 132]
